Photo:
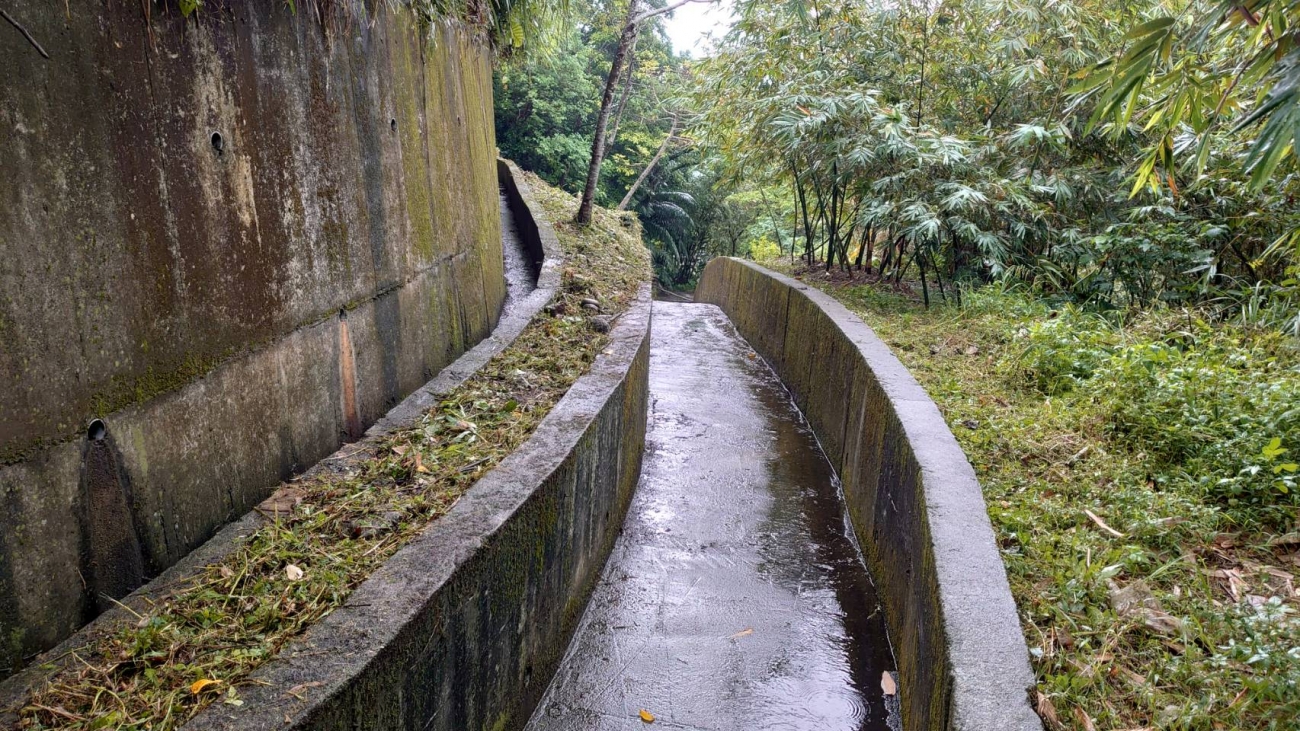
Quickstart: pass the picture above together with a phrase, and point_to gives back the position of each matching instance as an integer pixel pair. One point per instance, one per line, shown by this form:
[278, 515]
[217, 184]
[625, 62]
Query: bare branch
[26, 35]
[666, 9]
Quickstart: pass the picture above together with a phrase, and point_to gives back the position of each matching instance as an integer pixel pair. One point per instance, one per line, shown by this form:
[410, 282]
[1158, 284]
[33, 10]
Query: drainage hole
[218, 143]
[96, 431]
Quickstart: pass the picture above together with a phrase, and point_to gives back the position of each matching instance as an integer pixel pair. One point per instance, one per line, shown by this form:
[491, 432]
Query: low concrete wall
[238, 239]
[464, 627]
[912, 498]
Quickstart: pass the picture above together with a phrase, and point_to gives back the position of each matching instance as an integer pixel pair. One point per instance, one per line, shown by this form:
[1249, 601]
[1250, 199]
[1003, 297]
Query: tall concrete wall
[912, 499]
[238, 240]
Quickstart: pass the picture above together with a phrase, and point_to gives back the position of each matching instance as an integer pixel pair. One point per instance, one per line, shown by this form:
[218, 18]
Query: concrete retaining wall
[912, 498]
[464, 627]
[239, 239]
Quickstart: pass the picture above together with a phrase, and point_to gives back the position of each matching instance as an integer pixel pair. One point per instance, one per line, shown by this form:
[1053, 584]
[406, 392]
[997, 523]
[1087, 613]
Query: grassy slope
[1151, 620]
[199, 645]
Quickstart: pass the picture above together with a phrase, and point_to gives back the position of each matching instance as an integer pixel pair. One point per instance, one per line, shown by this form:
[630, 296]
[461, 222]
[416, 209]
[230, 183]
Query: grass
[199, 644]
[1126, 465]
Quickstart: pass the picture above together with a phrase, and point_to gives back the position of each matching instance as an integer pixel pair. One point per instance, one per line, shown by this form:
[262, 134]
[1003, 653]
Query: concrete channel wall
[238, 239]
[912, 499]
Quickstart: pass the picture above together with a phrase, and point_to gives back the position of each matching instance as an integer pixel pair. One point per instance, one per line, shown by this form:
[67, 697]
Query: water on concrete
[521, 269]
[734, 599]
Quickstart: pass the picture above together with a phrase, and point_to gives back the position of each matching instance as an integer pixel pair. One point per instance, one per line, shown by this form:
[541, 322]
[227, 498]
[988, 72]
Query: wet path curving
[734, 598]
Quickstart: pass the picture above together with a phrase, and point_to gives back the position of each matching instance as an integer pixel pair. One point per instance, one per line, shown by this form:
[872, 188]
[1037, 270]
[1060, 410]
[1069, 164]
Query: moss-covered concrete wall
[238, 239]
[912, 499]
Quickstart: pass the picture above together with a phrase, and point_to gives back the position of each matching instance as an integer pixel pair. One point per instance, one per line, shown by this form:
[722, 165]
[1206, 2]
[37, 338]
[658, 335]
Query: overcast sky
[691, 24]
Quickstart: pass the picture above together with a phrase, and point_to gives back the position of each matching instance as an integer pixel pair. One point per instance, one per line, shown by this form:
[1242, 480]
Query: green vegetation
[1140, 473]
[1003, 141]
[515, 27]
[197, 644]
[547, 107]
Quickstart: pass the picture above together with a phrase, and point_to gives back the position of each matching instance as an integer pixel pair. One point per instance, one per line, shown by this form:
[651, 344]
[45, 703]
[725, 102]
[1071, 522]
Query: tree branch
[622, 205]
[26, 35]
[666, 9]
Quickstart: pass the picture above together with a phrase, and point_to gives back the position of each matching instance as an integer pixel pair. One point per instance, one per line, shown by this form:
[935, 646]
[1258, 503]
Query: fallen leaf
[281, 502]
[1136, 601]
[1162, 622]
[1102, 524]
[1084, 719]
[299, 691]
[197, 686]
[419, 464]
[646, 716]
[400, 450]
[1290, 539]
[293, 572]
[743, 633]
[1047, 711]
[887, 683]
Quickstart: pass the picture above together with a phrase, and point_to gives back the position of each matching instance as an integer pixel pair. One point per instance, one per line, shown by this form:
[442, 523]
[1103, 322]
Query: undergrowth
[1140, 475]
[199, 644]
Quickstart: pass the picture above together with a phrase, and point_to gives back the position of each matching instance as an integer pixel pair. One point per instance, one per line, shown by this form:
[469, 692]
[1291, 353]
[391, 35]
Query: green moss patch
[199, 644]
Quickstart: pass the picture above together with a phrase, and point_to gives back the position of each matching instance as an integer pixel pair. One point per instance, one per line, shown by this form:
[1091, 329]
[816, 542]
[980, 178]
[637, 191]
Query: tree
[626, 39]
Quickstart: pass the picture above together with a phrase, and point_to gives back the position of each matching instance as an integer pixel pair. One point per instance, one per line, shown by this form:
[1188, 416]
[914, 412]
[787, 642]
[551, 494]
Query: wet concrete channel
[735, 597]
[521, 269]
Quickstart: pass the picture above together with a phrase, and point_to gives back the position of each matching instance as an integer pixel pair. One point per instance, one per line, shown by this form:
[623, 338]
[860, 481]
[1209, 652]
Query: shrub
[1216, 407]
[1065, 350]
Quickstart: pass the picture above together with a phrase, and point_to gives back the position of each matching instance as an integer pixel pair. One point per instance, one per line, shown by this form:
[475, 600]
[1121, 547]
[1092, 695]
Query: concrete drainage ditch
[466, 626]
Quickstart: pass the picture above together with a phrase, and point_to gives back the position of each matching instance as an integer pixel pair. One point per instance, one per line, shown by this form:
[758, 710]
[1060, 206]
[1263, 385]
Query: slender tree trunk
[925, 290]
[776, 230]
[625, 40]
[627, 92]
[672, 132]
[809, 233]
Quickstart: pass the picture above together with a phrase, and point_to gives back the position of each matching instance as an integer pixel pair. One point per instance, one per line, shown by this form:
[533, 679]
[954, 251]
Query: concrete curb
[586, 454]
[912, 498]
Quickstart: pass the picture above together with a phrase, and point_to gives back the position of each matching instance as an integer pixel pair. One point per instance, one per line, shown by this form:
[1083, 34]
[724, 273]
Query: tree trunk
[672, 132]
[627, 92]
[625, 40]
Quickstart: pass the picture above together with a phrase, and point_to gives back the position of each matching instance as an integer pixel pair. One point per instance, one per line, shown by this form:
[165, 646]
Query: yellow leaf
[887, 683]
[293, 572]
[197, 686]
[647, 716]
[744, 632]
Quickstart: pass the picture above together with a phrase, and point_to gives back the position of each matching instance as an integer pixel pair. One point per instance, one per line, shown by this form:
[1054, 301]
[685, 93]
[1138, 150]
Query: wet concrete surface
[734, 599]
[520, 268]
